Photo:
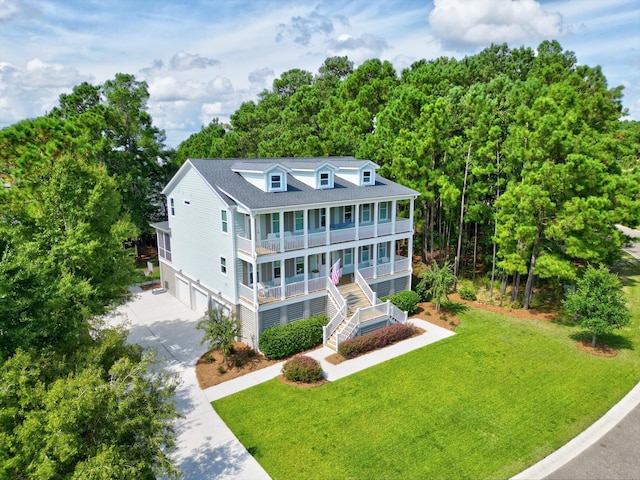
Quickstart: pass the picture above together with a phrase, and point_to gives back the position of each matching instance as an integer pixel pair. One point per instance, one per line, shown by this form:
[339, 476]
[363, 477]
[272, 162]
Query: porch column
[375, 219]
[327, 222]
[306, 273]
[283, 274]
[394, 205]
[392, 256]
[305, 221]
[375, 260]
[254, 267]
[281, 232]
[356, 221]
[410, 239]
[254, 240]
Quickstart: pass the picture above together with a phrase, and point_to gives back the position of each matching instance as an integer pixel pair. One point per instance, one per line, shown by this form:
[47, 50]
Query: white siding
[197, 239]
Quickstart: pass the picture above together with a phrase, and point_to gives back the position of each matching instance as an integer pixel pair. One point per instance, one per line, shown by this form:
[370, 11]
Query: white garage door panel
[182, 289]
[200, 301]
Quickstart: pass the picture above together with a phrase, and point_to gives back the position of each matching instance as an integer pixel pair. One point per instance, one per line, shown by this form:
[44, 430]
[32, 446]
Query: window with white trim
[276, 270]
[323, 217]
[299, 265]
[383, 208]
[325, 180]
[366, 213]
[299, 220]
[223, 265]
[275, 182]
[225, 223]
[365, 253]
[367, 177]
[382, 251]
[348, 213]
[348, 256]
[275, 222]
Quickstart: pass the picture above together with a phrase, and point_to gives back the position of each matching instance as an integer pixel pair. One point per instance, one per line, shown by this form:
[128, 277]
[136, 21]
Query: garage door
[200, 301]
[182, 289]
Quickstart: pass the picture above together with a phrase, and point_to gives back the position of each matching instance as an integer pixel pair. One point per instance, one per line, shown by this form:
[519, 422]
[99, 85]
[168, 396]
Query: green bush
[302, 369]
[377, 339]
[422, 289]
[406, 301]
[467, 293]
[285, 340]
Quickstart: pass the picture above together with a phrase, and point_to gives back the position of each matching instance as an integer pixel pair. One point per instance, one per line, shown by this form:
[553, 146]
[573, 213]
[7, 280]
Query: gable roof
[222, 175]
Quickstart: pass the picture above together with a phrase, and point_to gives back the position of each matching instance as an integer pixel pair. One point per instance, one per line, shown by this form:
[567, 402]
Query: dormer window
[367, 177]
[324, 179]
[276, 181]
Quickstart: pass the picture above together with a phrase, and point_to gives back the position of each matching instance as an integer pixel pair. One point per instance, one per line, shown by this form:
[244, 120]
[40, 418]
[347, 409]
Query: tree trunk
[515, 287]
[432, 203]
[495, 228]
[593, 340]
[456, 266]
[528, 290]
[503, 287]
[475, 249]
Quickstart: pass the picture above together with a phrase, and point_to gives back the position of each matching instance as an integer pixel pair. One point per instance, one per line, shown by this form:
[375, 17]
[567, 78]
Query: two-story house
[259, 237]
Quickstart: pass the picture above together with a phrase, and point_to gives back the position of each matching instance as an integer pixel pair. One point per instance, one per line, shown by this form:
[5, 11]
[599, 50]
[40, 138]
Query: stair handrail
[339, 316]
[366, 289]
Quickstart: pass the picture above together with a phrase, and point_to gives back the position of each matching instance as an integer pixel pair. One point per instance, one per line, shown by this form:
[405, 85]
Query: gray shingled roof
[230, 185]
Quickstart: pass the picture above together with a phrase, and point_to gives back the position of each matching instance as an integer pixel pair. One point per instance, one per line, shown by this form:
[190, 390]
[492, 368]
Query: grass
[142, 266]
[486, 403]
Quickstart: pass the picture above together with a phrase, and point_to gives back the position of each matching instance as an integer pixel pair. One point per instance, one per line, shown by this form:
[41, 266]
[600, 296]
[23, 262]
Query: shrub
[467, 293]
[209, 358]
[302, 369]
[221, 369]
[238, 362]
[377, 339]
[285, 340]
[422, 289]
[406, 301]
[251, 353]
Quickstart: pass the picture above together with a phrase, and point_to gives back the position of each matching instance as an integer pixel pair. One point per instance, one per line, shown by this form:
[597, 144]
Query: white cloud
[303, 28]
[358, 49]
[258, 78]
[169, 88]
[187, 61]
[8, 9]
[459, 23]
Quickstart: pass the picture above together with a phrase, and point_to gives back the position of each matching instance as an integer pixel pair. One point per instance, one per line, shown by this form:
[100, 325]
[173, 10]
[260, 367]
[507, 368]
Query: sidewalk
[206, 447]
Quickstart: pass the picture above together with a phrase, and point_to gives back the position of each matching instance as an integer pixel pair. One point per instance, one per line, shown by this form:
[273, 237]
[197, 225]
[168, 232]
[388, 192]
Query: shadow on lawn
[612, 340]
[455, 308]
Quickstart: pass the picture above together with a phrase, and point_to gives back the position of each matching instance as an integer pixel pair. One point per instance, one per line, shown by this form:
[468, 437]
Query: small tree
[598, 302]
[439, 279]
[220, 330]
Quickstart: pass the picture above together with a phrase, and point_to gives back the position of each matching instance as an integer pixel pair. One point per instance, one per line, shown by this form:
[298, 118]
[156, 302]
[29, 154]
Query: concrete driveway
[206, 448]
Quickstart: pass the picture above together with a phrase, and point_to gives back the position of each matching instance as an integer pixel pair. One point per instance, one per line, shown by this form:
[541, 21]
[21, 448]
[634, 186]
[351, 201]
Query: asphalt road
[616, 455]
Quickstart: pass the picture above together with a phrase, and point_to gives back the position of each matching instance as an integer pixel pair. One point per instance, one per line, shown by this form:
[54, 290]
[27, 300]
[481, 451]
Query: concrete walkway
[608, 449]
[206, 448]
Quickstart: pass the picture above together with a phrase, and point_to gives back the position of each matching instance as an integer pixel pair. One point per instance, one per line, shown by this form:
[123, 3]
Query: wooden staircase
[355, 299]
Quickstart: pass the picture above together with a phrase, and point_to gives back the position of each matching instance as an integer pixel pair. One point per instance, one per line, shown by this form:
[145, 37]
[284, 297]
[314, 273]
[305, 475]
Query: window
[299, 265]
[348, 256]
[164, 245]
[299, 220]
[324, 180]
[275, 222]
[172, 205]
[323, 217]
[223, 265]
[382, 251]
[276, 269]
[366, 213]
[275, 180]
[225, 224]
[365, 253]
[348, 214]
[383, 210]
[367, 177]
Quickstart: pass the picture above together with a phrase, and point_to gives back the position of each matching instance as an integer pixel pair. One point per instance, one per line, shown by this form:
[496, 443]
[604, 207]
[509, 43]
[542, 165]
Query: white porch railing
[293, 242]
[385, 228]
[294, 289]
[317, 239]
[367, 231]
[317, 284]
[366, 289]
[370, 314]
[403, 225]
[245, 244]
[342, 235]
[246, 292]
[401, 264]
[340, 315]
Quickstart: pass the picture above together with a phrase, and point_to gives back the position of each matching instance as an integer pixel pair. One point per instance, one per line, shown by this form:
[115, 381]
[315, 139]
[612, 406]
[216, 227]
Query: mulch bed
[600, 349]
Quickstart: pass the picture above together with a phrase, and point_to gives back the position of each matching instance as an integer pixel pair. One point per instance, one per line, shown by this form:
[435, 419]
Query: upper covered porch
[289, 230]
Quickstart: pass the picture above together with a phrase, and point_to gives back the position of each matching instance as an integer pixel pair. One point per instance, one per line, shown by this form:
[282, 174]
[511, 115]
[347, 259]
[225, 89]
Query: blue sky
[203, 58]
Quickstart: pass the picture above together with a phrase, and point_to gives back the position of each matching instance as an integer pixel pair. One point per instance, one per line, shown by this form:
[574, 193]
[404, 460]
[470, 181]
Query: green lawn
[486, 403]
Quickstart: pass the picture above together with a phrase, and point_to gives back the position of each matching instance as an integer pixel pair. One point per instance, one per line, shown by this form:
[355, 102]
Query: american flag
[335, 272]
